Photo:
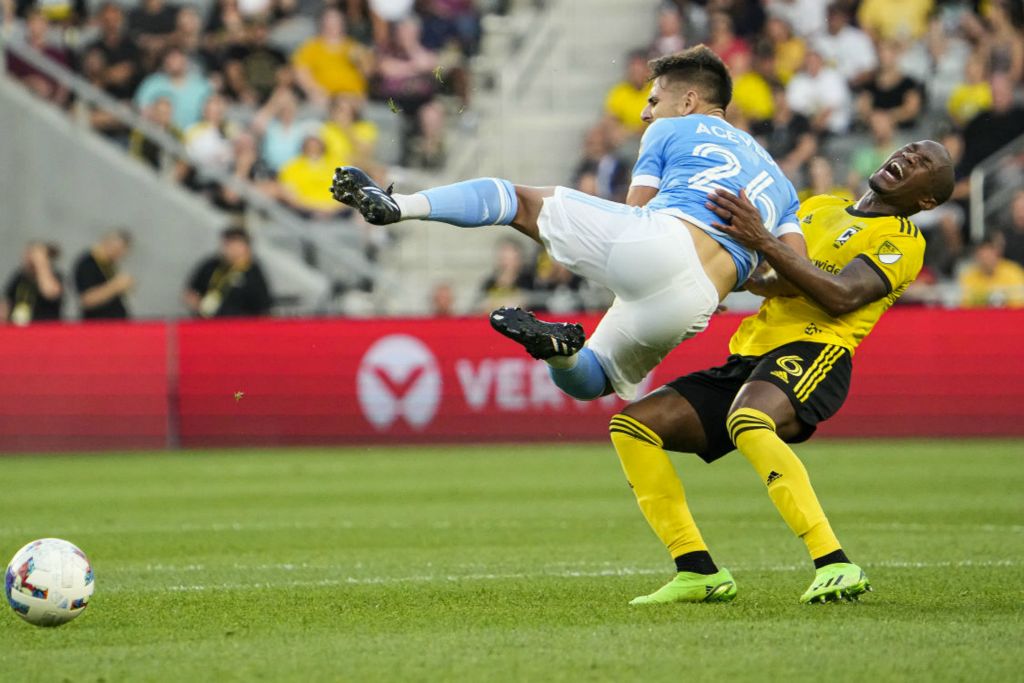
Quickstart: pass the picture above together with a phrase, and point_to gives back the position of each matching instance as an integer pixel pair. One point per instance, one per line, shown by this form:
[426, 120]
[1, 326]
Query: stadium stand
[230, 94]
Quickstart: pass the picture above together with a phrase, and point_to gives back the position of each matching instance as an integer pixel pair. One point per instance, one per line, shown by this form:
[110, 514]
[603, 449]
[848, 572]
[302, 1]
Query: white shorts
[662, 294]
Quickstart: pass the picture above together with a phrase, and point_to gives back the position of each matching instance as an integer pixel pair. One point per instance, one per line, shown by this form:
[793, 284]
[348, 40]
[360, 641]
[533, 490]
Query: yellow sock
[789, 487]
[656, 485]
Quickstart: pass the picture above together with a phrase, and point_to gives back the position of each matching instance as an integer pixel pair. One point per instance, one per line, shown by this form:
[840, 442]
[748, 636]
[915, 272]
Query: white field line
[346, 524]
[456, 578]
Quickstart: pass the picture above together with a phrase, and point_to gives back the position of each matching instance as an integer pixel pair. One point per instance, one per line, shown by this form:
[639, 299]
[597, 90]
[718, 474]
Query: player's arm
[838, 294]
[649, 165]
[639, 195]
[49, 284]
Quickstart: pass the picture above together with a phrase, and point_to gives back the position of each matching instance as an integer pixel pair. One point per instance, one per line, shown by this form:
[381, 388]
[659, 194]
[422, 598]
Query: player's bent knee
[622, 425]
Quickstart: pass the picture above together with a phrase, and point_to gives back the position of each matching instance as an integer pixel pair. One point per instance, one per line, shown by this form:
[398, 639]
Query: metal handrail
[980, 209]
[89, 94]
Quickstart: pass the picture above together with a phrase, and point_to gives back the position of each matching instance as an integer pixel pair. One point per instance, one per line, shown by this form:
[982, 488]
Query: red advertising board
[83, 387]
[923, 373]
[277, 382]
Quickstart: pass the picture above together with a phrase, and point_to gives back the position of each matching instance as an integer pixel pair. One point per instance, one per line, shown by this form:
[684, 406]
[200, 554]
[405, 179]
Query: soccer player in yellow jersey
[789, 369]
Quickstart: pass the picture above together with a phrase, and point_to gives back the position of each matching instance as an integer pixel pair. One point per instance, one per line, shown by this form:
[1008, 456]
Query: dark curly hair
[699, 67]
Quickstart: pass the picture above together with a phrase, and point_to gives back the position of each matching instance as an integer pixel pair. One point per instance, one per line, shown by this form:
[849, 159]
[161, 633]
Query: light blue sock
[585, 380]
[473, 203]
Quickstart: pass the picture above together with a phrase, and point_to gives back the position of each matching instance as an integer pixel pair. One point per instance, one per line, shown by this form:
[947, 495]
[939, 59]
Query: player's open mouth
[894, 170]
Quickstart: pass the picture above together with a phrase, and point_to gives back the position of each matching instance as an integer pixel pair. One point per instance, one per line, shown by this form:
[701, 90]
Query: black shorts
[815, 377]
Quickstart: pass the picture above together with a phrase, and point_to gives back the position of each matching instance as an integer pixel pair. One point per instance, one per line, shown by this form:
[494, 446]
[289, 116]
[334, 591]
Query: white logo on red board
[398, 378]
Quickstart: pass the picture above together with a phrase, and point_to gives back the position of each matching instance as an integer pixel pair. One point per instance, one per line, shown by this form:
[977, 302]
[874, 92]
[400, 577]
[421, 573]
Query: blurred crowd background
[279, 92]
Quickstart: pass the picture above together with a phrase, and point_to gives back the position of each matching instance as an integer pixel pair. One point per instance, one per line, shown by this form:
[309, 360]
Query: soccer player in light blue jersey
[668, 268]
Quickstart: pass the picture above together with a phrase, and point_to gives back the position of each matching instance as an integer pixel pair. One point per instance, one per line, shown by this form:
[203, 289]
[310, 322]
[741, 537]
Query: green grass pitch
[513, 563]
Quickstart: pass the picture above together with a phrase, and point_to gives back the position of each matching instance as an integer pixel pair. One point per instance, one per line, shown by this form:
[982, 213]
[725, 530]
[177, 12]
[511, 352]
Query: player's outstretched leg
[789, 486]
[353, 187]
[663, 502]
[469, 204]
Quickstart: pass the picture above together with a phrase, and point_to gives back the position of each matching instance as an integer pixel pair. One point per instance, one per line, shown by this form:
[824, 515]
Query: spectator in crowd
[846, 48]
[991, 280]
[260, 63]
[225, 27]
[1013, 233]
[509, 283]
[938, 63]
[973, 96]
[36, 290]
[627, 98]
[790, 50]
[160, 114]
[348, 139]
[670, 37]
[751, 89]
[555, 288]
[888, 20]
[990, 130]
[723, 39]
[450, 21]
[821, 180]
[211, 145]
[611, 175]
[748, 16]
[787, 136]
[943, 229]
[867, 159]
[442, 300]
[41, 84]
[186, 88]
[277, 122]
[331, 63]
[152, 22]
[407, 81]
[230, 283]
[119, 56]
[64, 12]
[302, 181]
[807, 17]
[235, 86]
[188, 37]
[891, 91]
[102, 288]
[999, 38]
[821, 94]
[246, 169]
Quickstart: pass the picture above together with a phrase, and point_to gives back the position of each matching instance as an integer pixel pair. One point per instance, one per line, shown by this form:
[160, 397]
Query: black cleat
[540, 339]
[354, 188]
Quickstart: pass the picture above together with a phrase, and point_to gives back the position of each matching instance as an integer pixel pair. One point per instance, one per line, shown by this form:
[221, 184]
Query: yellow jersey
[836, 234]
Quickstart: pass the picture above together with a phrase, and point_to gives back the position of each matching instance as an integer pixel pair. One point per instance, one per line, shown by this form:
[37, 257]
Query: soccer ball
[49, 582]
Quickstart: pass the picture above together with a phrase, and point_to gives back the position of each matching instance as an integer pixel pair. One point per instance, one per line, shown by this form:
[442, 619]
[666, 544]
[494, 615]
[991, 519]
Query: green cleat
[834, 582]
[690, 587]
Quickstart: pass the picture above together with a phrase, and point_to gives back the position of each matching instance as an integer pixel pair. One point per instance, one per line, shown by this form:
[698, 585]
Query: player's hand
[743, 221]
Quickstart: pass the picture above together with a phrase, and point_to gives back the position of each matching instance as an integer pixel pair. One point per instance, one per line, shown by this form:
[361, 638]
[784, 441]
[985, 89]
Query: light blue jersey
[687, 157]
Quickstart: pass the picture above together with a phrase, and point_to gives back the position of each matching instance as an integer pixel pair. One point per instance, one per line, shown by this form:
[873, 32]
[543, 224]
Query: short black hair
[698, 66]
[236, 233]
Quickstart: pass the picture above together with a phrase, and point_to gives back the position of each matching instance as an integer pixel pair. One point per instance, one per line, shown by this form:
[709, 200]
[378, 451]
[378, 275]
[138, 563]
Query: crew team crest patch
[889, 254]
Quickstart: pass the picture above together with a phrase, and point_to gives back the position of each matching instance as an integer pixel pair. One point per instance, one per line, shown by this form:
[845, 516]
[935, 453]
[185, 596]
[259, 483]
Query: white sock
[413, 205]
[563, 362]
